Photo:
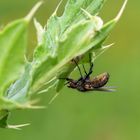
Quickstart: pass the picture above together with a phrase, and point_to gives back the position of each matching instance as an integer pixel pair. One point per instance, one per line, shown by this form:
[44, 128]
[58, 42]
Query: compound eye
[71, 85]
[87, 86]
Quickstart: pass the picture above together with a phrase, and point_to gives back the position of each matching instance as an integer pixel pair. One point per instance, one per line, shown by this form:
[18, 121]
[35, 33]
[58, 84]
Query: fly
[86, 83]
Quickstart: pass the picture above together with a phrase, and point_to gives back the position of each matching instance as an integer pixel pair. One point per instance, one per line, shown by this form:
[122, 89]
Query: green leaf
[64, 41]
[78, 32]
[3, 118]
[13, 43]
[56, 26]
[56, 49]
[73, 13]
[95, 44]
[4, 114]
[18, 91]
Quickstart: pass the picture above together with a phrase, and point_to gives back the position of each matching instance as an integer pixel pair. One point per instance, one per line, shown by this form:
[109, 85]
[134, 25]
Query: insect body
[86, 83]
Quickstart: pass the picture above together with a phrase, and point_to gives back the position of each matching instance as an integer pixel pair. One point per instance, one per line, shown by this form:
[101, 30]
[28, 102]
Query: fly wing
[105, 89]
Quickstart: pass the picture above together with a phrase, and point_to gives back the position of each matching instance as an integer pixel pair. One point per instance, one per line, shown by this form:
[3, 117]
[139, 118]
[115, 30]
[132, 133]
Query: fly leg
[78, 68]
[91, 68]
[84, 69]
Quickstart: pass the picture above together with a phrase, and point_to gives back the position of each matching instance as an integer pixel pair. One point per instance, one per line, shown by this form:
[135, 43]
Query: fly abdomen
[100, 80]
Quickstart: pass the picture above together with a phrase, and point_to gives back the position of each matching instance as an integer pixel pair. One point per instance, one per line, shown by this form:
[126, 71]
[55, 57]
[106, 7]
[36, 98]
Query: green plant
[78, 32]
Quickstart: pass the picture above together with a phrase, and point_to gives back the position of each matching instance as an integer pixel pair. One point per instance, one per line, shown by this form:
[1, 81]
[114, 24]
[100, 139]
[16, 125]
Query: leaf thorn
[33, 10]
[121, 11]
[17, 127]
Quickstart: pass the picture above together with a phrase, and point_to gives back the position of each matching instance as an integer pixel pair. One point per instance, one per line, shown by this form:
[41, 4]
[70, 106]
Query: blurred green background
[93, 116]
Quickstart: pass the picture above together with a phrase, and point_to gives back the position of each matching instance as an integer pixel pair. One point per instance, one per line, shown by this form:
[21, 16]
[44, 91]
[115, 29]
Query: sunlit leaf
[13, 43]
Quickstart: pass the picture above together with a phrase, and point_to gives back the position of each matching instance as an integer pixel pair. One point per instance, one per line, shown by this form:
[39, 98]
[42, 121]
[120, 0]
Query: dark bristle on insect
[86, 83]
